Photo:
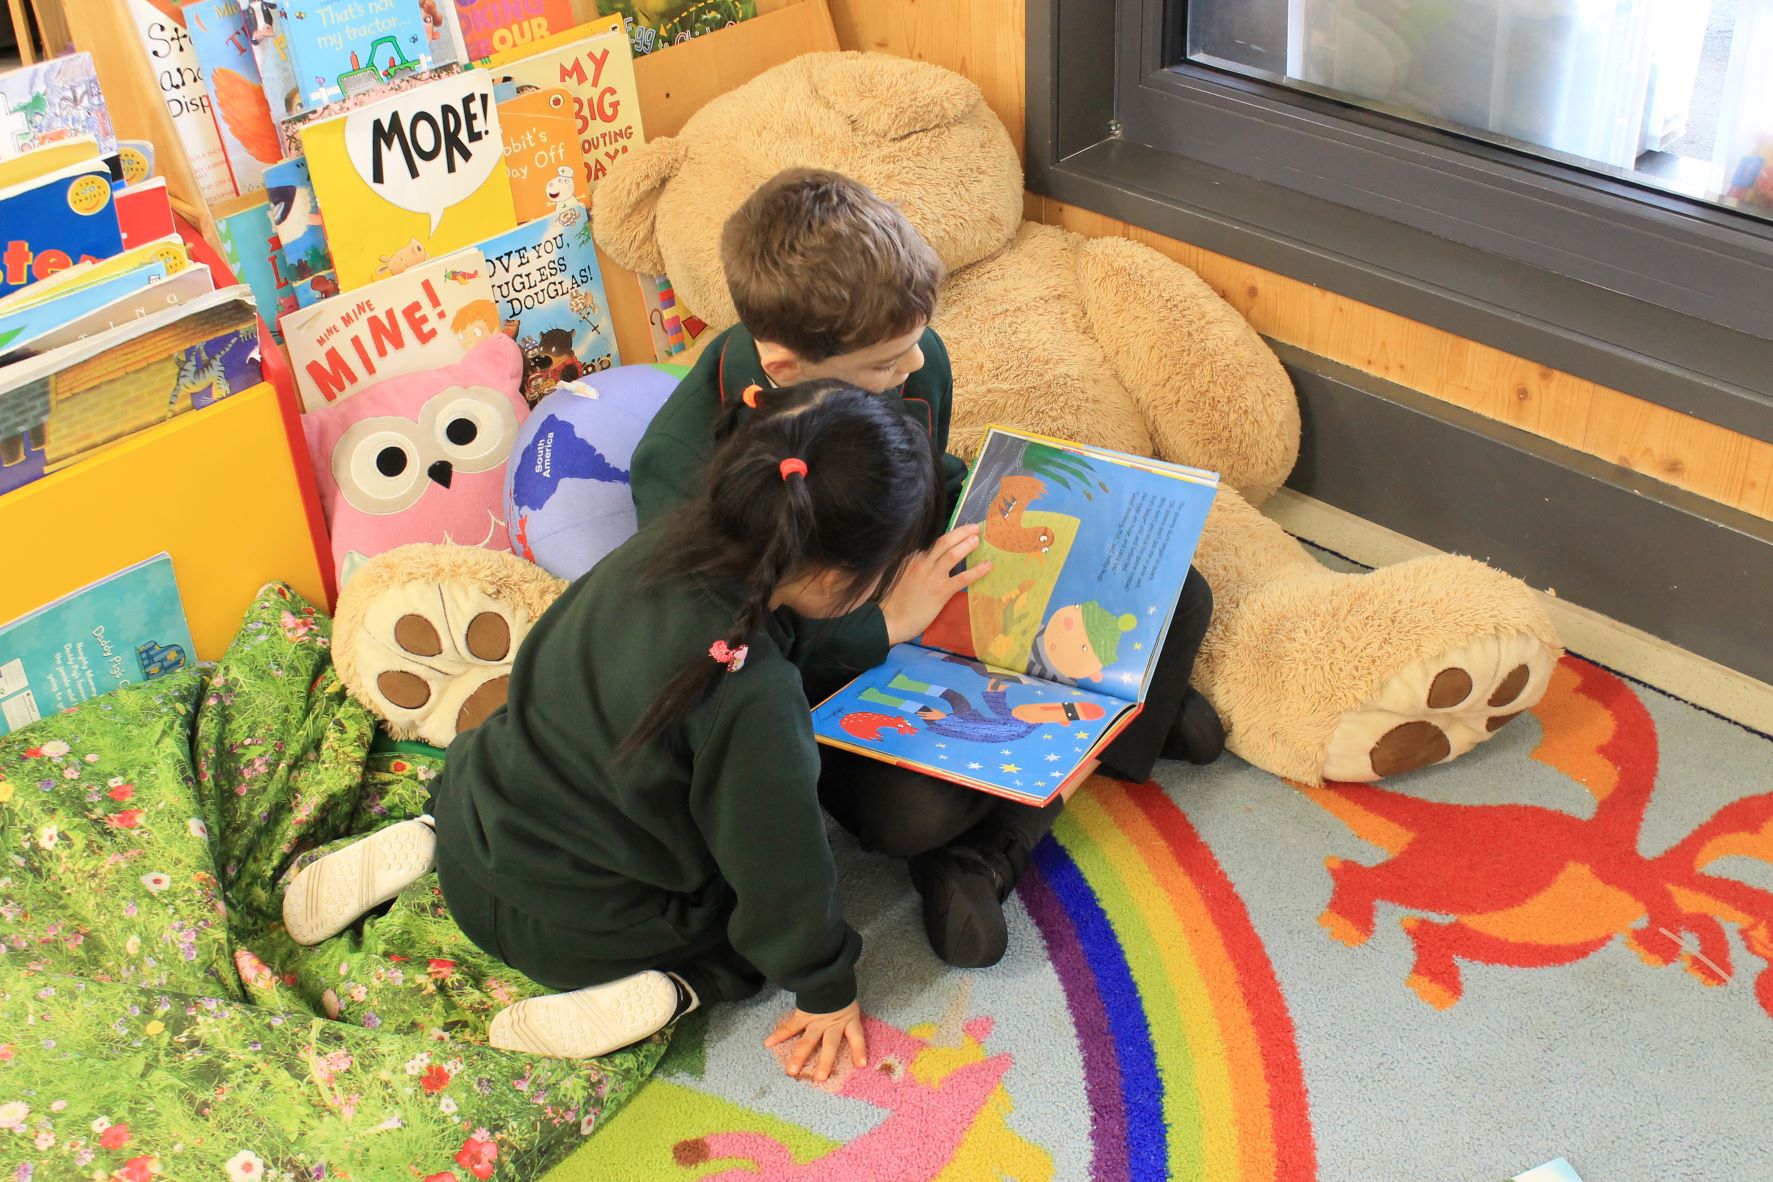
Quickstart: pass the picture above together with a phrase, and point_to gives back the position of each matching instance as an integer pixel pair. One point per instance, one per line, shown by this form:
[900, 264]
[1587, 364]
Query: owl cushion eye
[376, 465]
[472, 427]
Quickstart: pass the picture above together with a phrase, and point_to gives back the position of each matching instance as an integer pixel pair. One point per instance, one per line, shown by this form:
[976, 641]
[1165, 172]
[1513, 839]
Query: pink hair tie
[750, 394]
[792, 466]
[732, 658]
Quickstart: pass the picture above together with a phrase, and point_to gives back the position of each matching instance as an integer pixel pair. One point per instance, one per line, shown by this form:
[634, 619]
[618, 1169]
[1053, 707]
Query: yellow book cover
[40, 162]
[595, 64]
[542, 153]
[412, 177]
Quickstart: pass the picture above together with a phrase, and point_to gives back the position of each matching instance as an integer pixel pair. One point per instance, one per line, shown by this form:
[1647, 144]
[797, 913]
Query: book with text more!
[127, 628]
[1027, 675]
[414, 176]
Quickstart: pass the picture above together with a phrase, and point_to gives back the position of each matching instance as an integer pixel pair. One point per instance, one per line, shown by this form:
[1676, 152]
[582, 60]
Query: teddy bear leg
[1213, 394]
[1321, 675]
[425, 635]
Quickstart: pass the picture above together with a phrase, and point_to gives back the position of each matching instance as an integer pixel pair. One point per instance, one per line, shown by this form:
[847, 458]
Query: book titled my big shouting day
[129, 627]
[1028, 674]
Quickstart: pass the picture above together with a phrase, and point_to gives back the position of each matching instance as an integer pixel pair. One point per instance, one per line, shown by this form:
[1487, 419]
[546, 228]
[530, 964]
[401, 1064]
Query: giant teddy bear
[1317, 674]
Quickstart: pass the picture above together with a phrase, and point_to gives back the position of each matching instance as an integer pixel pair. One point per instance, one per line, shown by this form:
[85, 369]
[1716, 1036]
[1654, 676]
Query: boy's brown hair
[817, 263]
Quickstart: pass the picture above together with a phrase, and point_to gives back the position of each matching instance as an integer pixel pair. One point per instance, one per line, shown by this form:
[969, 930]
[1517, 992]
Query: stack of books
[107, 326]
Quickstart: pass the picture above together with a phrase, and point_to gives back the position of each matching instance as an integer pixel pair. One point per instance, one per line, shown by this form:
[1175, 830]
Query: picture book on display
[263, 20]
[595, 65]
[124, 629]
[1029, 673]
[111, 302]
[341, 48]
[652, 26]
[58, 406]
[250, 246]
[550, 299]
[50, 224]
[173, 59]
[144, 212]
[424, 318]
[295, 220]
[236, 92]
[499, 26]
[542, 154]
[51, 101]
[416, 175]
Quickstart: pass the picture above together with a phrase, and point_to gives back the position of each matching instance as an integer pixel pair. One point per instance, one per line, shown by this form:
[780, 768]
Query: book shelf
[673, 84]
[198, 486]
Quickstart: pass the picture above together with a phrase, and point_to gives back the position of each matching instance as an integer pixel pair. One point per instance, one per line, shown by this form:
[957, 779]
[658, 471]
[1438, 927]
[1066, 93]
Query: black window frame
[1662, 298]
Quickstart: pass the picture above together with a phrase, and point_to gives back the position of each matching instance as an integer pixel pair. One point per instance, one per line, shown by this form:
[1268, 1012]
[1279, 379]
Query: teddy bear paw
[432, 656]
[1440, 707]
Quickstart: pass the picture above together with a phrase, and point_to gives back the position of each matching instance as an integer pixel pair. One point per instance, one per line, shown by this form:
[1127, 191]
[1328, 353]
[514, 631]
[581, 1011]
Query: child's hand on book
[824, 1035]
[928, 584]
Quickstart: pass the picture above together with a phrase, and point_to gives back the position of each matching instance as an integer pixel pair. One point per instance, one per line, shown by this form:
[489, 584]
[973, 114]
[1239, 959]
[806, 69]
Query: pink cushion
[421, 458]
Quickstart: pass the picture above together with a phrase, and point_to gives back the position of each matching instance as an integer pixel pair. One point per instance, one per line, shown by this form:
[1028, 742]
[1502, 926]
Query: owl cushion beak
[440, 472]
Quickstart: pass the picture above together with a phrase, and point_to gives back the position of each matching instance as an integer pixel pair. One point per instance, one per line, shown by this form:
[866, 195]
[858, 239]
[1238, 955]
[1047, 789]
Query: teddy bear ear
[889, 97]
[626, 201]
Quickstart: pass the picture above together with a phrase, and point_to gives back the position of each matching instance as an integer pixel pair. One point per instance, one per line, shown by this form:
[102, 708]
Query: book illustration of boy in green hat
[1079, 642]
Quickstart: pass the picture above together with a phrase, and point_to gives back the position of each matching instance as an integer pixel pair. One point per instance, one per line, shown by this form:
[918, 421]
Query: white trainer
[587, 1022]
[331, 894]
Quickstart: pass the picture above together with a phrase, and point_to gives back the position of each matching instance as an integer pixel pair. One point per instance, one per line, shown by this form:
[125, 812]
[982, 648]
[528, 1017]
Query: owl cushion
[420, 458]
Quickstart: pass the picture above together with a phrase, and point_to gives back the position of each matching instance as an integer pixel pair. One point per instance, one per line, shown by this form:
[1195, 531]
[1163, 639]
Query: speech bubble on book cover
[430, 148]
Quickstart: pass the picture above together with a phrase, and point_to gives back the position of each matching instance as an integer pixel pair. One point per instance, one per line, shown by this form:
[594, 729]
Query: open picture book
[1030, 672]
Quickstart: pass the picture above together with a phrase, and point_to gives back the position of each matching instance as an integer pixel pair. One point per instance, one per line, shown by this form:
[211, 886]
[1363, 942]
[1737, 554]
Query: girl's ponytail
[819, 476]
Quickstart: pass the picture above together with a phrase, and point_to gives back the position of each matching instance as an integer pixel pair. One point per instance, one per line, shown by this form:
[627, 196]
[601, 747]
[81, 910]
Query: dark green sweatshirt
[637, 857]
[672, 459]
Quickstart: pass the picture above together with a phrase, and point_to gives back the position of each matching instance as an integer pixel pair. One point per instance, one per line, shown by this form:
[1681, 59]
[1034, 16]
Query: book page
[1088, 550]
[964, 721]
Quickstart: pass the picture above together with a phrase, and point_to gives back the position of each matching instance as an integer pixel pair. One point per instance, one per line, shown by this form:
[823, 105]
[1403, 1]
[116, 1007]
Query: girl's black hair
[871, 499]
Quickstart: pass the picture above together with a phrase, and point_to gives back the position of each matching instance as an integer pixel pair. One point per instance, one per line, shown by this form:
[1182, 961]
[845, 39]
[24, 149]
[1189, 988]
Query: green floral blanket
[155, 1020]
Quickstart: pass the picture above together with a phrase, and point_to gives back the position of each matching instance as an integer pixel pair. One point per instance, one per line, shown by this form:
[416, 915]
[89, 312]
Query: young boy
[832, 282]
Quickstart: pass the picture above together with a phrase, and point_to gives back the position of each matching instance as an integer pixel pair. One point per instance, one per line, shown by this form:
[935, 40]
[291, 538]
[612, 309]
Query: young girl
[639, 827]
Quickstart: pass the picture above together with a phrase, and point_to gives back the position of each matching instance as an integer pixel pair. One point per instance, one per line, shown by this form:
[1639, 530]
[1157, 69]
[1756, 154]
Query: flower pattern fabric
[156, 1021]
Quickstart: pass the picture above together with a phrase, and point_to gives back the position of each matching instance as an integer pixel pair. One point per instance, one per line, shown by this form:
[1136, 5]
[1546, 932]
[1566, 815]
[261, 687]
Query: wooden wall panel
[986, 40]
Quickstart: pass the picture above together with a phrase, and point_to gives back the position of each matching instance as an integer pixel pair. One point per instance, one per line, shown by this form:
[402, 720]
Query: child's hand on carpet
[824, 1034]
[926, 584]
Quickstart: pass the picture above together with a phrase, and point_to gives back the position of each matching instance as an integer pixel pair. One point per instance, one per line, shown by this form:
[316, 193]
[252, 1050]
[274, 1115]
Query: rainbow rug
[1557, 946]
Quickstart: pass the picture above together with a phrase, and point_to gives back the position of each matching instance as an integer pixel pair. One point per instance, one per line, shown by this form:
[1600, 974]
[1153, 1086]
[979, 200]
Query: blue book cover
[1026, 675]
[49, 224]
[251, 249]
[342, 48]
[550, 297]
[127, 628]
[54, 100]
[295, 219]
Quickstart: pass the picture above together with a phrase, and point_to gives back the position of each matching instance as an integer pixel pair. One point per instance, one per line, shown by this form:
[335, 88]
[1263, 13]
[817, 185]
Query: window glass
[1675, 94]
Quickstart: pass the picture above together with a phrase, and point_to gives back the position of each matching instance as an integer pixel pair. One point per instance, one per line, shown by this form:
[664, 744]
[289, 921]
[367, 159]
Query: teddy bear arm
[1213, 394]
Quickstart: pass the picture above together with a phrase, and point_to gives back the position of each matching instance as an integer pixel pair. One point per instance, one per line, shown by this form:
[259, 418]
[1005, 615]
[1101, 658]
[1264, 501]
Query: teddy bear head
[918, 135]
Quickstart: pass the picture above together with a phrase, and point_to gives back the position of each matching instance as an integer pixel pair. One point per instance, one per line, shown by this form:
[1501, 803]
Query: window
[1562, 179]
[1671, 94]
